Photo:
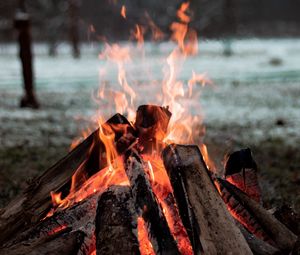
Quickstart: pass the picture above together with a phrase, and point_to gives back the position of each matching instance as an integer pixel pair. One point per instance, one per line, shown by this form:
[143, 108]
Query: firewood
[242, 214]
[286, 215]
[76, 216]
[67, 243]
[35, 201]
[257, 246]
[281, 236]
[152, 124]
[116, 223]
[147, 205]
[241, 171]
[217, 232]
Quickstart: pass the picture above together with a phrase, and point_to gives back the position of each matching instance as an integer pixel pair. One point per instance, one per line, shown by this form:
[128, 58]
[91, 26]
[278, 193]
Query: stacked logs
[107, 222]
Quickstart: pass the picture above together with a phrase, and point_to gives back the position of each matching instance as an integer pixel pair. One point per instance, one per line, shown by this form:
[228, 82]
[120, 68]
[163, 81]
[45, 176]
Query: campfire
[140, 185]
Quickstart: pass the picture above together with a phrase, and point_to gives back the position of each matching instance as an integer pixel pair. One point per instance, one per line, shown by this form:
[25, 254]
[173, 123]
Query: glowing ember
[145, 244]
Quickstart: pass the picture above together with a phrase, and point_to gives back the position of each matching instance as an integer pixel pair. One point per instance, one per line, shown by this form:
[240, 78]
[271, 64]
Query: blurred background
[49, 71]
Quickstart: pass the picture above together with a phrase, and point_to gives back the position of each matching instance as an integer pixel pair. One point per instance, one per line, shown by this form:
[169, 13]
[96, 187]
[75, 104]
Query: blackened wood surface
[218, 234]
[257, 246]
[80, 215]
[147, 204]
[152, 124]
[116, 223]
[241, 171]
[35, 201]
[67, 243]
[280, 234]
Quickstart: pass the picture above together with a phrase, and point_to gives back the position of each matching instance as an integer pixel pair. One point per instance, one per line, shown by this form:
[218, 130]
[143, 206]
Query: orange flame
[163, 190]
[208, 161]
[123, 11]
[146, 247]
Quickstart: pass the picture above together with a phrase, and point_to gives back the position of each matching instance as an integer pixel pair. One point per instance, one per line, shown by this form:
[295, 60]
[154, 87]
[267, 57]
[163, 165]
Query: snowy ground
[255, 101]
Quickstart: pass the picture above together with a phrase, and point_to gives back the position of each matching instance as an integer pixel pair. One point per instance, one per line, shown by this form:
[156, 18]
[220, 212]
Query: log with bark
[188, 174]
[151, 125]
[261, 220]
[33, 204]
[116, 222]
[257, 246]
[79, 216]
[241, 171]
[147, 205]
[63, 242]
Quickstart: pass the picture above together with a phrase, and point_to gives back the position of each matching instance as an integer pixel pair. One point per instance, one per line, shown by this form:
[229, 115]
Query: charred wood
[152, 124]
[242, 214]
[35, 201]
[217, 232]
[286, 215]
[147, 205]
[257, 246]
[67, 243]
[80, 214]
[241, 171]
[116, 223]
[281, 236]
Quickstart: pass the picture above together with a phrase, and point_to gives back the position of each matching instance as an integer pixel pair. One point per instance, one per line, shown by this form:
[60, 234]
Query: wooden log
[116, 223]
[257, 246]
[67, 243]
[33, 204]
[217, 232]
[147, 205]
[152, 124]
[282, 237]
[286, 215]
[79, 216]
[241, 171]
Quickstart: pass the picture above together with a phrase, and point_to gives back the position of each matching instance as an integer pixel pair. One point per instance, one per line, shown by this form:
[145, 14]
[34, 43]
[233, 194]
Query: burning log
[241, 171]
[80, 214]
[116, 222]
[194, 189]
[35, 201]
[257, 246]
[64, 242]
[147, 205]
[260, 222]
[152, 124]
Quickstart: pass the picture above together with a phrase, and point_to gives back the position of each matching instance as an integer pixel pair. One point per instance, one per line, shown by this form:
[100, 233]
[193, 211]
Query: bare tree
[22, 24]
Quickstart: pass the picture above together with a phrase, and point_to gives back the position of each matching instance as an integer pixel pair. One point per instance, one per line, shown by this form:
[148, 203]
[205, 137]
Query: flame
[157, 34]
[146, 247]
[208, 161]
[138, 34]
[123, 11]
[182, 100]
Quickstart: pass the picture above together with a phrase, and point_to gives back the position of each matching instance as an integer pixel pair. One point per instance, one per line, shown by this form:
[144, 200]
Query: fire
[123, 11]
[146, 247]
[162, 188]
[208, 161]
[173, 93]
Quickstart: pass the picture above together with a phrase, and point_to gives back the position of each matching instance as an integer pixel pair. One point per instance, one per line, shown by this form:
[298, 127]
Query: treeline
[98, 19]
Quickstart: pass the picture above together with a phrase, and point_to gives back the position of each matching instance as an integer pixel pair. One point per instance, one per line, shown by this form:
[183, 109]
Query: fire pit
[131, 188]
[123, 190]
